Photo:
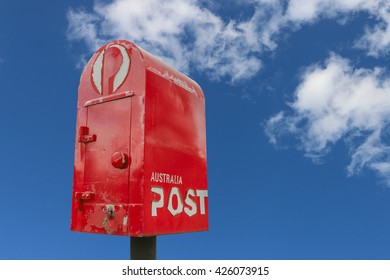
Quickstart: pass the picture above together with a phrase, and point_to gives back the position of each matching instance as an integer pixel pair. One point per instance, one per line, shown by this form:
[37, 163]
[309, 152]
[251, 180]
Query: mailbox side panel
[175, 187]
[107, 192]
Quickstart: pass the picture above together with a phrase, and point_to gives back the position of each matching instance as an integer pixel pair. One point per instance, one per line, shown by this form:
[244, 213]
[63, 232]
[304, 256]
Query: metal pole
[143, 248]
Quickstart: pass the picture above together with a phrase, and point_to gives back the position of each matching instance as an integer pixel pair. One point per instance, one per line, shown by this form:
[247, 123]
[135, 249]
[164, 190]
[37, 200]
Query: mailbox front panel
[103, 197]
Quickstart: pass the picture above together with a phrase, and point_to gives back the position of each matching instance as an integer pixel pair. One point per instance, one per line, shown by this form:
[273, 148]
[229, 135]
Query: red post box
[140, 165]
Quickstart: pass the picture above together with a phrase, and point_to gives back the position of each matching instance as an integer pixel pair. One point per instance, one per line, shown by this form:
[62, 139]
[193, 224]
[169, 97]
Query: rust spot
[106, 226]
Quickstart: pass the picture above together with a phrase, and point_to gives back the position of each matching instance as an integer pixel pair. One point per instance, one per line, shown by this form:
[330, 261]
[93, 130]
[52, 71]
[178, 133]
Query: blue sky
[297, 97]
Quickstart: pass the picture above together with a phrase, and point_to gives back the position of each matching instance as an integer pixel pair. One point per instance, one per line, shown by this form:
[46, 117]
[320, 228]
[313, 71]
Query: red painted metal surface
[140, 156]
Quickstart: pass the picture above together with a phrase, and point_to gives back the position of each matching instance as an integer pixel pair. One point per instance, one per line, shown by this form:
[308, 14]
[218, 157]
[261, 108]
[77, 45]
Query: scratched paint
[99, 219]
[125, 219]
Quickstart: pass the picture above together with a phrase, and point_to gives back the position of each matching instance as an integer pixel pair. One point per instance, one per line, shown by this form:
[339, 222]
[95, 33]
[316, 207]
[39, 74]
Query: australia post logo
[177, 201]
[110, 69]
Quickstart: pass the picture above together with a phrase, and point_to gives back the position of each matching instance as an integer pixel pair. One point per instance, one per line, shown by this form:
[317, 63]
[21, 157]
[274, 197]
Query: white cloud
[306, 11]
[83, 26]
[333, 102]
[189, 36]
[377, 38]
[179, 31]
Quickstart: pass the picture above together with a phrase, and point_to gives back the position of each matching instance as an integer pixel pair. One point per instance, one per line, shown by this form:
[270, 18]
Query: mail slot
[140, 166]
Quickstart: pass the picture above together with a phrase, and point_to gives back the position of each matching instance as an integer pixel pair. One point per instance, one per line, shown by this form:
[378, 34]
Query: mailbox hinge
[84, 136]
[80, 197]
[84, 195]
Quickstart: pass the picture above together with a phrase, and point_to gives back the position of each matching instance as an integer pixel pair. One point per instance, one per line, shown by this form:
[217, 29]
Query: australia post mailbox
[140, 156]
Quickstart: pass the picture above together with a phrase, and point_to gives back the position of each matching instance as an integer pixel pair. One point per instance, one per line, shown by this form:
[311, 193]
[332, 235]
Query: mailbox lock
[119, 160]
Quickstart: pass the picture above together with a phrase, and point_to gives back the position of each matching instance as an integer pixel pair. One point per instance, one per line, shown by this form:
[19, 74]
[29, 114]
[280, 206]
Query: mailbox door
[104, 194]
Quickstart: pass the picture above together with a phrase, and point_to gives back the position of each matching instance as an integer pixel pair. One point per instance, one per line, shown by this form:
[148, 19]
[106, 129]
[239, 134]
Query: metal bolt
[109, 211]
